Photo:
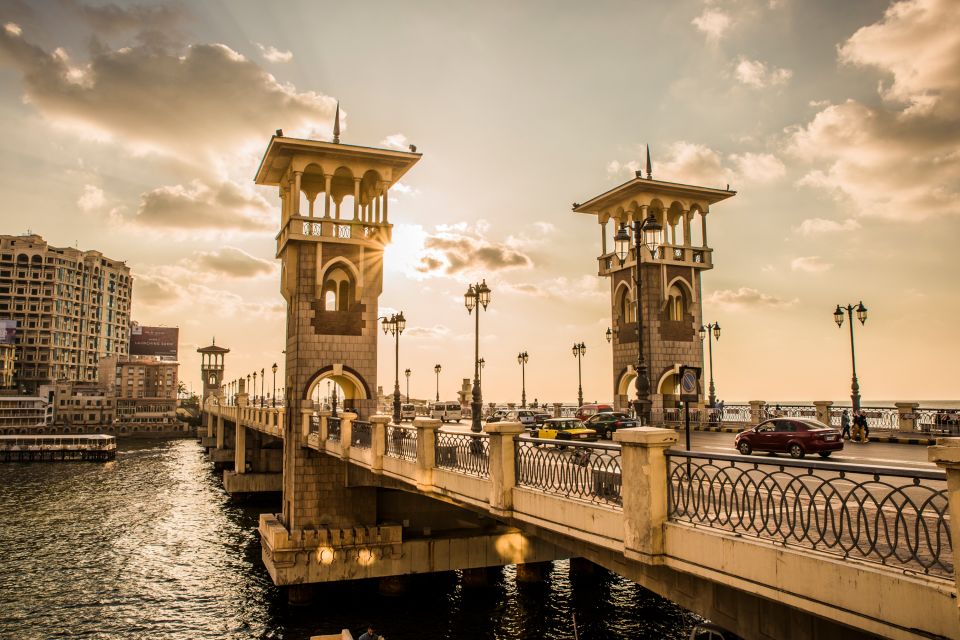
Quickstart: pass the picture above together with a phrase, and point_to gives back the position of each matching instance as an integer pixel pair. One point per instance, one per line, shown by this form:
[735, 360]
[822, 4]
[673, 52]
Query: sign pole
[686, 421]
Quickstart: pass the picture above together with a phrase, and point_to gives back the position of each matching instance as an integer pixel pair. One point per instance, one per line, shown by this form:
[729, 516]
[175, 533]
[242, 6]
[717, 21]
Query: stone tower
[211, 369]
[670, 281]
[334, 225]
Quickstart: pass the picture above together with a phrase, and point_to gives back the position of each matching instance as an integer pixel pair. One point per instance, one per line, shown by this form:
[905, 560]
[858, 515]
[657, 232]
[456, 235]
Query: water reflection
[149, 546]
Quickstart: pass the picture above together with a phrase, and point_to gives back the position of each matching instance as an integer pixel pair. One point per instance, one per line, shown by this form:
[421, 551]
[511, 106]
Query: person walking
[845, 425]
[370, 634]
[864, 427]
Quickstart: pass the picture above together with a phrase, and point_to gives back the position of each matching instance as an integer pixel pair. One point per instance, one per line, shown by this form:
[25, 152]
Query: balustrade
[361, 434]
[333, 429]
[585, 471]
[463, 453]
[401, 442]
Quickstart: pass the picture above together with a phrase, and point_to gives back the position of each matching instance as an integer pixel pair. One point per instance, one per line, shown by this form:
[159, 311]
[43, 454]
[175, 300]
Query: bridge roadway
[762, 581]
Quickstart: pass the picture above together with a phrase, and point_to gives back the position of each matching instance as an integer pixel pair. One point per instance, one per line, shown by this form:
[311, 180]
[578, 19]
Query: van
[446, 411]
[407, 412]
[588, 410]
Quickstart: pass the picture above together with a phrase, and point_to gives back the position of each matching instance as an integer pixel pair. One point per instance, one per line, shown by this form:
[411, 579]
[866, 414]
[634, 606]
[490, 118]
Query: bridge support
[532, 572]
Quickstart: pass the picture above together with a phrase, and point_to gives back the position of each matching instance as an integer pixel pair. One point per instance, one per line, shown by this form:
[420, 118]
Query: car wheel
[745, 448]
[796, 451]
[824, 454]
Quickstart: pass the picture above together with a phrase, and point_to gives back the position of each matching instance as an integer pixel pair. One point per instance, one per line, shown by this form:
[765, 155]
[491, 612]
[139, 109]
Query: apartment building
[25, 414]
[145, 388]
[72, 308]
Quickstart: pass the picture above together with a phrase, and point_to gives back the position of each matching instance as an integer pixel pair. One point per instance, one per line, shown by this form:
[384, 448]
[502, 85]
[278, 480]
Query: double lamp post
[395, 325]
[477, 295]
[862, 317]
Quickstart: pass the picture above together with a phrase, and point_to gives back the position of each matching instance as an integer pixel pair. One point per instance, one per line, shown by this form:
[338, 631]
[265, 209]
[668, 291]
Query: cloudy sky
[135, 129]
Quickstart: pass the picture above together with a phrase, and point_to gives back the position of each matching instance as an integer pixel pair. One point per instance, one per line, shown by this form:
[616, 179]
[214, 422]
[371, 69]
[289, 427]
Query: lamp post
[247, 389]
[646, 233]
[395, 324]
[263, 380]
[407, 373]
[477, 295]
[522, 359]
[254, 388]
[482, 364]
[579, 350]
[274, 369]
[862, 317]
[609, 335]
[711, 331]
[436, 370]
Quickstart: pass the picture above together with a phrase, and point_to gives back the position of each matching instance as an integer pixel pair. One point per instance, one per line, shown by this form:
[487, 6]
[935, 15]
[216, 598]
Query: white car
[446, 411]
[408, 412]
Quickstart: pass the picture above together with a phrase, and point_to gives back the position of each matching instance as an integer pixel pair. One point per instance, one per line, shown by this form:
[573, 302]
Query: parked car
[607, 422]
[446, 411]
[565, 429]
[588, 410]
[407, 412]
[539, 418]
[497, 415]
[796, 436]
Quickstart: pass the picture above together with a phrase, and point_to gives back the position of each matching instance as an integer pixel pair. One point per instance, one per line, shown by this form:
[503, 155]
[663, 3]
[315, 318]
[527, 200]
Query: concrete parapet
[907, 415]
[503, 470]
[756, 411]
[426, 451]
[823, 410]
[378, 441]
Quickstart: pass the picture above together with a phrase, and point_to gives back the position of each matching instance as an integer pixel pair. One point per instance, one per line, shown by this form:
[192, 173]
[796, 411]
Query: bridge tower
[211, 369]
[670, 281]
[334, 225]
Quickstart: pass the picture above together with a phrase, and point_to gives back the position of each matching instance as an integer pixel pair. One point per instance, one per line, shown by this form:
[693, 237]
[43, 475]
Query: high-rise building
[71, 309]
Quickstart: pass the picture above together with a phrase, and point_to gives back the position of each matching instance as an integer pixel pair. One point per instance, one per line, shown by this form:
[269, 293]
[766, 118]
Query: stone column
[426, 451]
[503, 470]
[327, 179]
[946, 454]
[240, 449]
[324, 426]
[211, 419]
[297, 176]
[823, 410]
[644, 489]
[356, 198]
[378, 442]
[756, 411]
[346, 433]
[221, 435]
[557, 409]
[306, 413]
[386, 200]
[907, 415]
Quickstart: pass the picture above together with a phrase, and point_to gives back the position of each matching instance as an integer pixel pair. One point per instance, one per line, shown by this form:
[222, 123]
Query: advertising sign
[154, 341]
[8, 331]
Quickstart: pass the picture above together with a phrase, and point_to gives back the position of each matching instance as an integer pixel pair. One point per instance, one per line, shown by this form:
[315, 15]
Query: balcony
[685, 256]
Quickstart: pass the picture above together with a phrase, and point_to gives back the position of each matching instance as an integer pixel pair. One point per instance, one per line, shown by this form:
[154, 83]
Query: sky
[136, 128]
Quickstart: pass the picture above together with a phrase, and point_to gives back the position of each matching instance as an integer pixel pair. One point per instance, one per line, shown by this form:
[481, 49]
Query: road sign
[689, 384]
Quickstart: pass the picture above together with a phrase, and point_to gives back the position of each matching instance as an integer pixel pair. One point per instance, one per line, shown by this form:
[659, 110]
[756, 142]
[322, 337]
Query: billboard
[8, 331]
[154, 341]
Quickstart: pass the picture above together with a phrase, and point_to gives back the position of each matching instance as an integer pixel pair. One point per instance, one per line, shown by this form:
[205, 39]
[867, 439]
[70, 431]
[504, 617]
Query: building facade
[72, 308]
[83, 407]
[8, 359]
[26, 414]
[145, 389]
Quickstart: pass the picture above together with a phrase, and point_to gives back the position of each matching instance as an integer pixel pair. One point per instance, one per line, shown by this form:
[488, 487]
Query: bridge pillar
[479, 577]
[946, 454]
[210, 418]
[644, 469]
[503, 470]
[346, 434]
[240, 449]
[378, 443]
[756, 411]
[426, 451]
[532, 572]
[823, 410]
[221, 432]
[907, 415]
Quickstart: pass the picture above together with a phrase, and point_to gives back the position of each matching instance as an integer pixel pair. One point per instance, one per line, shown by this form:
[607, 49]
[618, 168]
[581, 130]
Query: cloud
[91, 199]
[193, 103]
[232, 262]
[713, 22]
[816, 226]
[272, 54]
[396, 141]
[901, 159]
[13, 29]
[692, 163]
[156, 290]
[755, 73]
[746, 297]
[562, 288]
[757, 167]
[810, 264]
[453, 253]
[110, 19]
[405, 189]
[199, 205]
[436, 331]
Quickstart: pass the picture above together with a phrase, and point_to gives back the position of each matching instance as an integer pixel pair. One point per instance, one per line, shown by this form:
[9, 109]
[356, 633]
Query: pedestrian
[371, 634]
[864, 427]
[845, 425]
[777, 412]
[720, 411]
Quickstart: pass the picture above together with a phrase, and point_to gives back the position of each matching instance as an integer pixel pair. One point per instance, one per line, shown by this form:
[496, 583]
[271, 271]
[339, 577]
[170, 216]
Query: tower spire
[649, 168]
[336, 125]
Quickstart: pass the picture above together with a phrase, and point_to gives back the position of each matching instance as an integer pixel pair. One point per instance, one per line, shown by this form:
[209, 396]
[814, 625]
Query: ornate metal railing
[735, 413]
[314, 424]
[361, 434]
[938, 421]
[583, 470]
[894, 516]
[401, 442]
[333, 429]
[463, 453]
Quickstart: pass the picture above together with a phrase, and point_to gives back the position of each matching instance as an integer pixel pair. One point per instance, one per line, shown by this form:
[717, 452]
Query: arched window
[676, 303]
[626, 306]
[337, 290]
[330, 301]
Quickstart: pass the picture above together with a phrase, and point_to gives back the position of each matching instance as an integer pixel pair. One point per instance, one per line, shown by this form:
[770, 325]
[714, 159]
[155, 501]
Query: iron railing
[333, 429]
[583, 470]
[314, 423]
[361, 434]
[894, 516]
[401, 442]
[938, 421]
[463, 452]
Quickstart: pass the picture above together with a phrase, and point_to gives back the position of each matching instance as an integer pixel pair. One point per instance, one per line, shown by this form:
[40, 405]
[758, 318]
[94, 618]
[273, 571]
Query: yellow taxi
[565, 429]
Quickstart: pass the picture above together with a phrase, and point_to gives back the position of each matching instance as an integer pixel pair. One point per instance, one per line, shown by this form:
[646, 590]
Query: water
[149, 546]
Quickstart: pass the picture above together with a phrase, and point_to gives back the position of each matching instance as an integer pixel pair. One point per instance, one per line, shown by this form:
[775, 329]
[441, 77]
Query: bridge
[767, 548]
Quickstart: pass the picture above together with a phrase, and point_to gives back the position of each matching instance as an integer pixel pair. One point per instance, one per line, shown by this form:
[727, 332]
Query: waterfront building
[71, 309]
[83, 407]
[25, 414]
[145, 389]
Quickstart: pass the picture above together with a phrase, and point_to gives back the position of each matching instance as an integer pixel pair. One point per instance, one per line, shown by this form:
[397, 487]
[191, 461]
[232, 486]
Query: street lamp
[477, 295]
[274, 369]
[436, 370]
[648, 234]
[263, 380]
[609, 335]
[482, 364]
[578, 352]
[254, 388]
[711, 331]
[247, 389]
[522, 359]
[862, 317]
[395, 324]
[407, 373]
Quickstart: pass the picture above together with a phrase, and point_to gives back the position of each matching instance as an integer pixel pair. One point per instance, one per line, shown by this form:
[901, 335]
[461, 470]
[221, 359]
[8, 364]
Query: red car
[796, 436]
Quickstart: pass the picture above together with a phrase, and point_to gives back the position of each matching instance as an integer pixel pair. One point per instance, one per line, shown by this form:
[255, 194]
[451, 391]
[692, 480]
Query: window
[337, 290]
[676, 303]
[626, 306]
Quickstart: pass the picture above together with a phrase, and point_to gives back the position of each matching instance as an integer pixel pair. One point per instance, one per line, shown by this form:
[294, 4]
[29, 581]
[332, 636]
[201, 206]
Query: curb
[918, 440]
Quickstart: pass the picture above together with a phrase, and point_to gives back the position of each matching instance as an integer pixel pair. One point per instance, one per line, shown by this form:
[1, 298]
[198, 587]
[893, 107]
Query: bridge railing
[581, 470]
[333, 429]
[893, 516]
[361, 434]
[463, 452]
[401, 442]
